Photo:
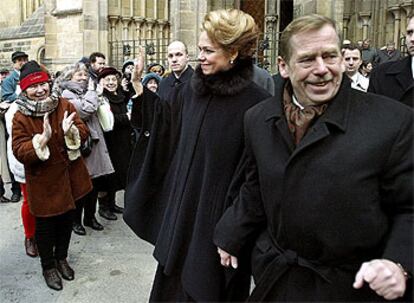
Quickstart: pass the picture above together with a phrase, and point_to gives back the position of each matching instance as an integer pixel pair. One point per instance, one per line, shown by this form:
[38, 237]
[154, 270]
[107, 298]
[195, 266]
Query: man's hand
[67, 122]
[383, 276]
[226, 259]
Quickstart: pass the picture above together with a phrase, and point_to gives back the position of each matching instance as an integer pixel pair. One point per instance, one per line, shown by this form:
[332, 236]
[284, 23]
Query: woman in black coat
[185, 159]
[118, 140]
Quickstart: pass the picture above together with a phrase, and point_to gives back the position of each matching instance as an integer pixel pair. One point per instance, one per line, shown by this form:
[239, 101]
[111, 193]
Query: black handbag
[86, 147]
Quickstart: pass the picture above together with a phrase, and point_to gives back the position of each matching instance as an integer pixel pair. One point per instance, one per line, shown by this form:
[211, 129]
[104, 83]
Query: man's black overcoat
[170, 83]
[185, 159]
[341, 197]
[394, 80]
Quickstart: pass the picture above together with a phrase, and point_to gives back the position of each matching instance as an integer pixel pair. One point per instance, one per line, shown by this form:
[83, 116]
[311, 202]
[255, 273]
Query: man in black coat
[181, 72]
[328, 190]
[395, 79]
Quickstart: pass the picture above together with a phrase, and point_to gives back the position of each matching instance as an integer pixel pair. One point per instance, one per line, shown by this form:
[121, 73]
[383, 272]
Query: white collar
[296, 102]
[412, 65]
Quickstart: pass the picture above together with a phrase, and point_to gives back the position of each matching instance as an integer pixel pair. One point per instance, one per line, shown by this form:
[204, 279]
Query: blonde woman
[185, 159]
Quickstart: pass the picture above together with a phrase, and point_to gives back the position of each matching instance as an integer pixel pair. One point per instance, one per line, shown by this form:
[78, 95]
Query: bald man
[181, 72]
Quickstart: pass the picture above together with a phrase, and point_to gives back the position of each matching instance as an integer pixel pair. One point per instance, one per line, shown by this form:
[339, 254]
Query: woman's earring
[231, 61]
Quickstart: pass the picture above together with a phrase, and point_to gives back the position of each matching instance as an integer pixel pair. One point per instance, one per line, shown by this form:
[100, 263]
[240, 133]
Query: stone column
[271, 29]
[150, 28]
[365, 16]
[161, 41]
[407, 6]
[138, 27]
[346, 19]
[113, 20]
[125, 23]
[395, 10]
[186, 18]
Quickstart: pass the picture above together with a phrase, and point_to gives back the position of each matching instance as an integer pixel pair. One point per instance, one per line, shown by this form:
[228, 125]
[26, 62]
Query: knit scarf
[33, 108]
[299, 120]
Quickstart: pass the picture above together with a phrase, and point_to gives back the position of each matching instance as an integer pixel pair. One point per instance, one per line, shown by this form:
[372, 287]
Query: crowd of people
[302, 180]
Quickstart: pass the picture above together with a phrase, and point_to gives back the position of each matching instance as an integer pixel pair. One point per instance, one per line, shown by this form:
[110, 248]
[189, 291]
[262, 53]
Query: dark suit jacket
[341, 197]
[394, 80]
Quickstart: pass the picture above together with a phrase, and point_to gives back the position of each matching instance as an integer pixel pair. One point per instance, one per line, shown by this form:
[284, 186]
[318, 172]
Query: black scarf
[117, 98]
[225, 83]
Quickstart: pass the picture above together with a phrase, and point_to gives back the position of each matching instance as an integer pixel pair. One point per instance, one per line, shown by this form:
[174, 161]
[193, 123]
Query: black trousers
[53, 238]
[88, 204]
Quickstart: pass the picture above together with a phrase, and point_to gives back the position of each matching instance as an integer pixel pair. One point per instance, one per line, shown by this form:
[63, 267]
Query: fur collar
[227, 83]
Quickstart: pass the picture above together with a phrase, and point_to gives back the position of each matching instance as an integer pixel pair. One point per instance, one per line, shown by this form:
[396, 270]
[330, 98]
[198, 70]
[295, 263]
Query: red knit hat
[31, 73]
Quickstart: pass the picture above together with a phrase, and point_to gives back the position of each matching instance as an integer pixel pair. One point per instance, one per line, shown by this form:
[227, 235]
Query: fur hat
[106, 71]
[31, 73]
[150, 76]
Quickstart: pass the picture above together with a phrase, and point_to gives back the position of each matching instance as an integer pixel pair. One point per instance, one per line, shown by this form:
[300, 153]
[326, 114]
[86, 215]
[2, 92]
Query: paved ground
[110, 266]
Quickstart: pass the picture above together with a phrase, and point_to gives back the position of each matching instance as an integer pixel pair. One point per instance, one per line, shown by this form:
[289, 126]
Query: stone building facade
[60, 32]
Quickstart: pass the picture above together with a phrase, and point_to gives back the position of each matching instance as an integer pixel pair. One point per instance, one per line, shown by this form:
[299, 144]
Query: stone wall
[31, 46]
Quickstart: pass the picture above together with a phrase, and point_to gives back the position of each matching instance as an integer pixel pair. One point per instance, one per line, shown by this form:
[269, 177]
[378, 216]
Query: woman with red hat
[47, 135]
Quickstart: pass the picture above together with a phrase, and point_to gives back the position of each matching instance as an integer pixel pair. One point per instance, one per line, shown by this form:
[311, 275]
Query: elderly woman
[77, 87]
[118, 140]
[185, 159]
[47, 135]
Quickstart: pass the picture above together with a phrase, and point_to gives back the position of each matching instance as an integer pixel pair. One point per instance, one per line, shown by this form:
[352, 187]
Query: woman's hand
[47, 131]
[124, 84]
[138, 66]
[226, 259]
[67, 121]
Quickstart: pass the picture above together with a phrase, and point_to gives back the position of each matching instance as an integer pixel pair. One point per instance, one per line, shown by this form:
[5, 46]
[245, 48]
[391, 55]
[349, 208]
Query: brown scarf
[299, 120]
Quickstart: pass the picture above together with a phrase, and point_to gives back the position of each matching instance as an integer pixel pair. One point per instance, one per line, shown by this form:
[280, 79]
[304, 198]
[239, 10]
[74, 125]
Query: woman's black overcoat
[185, 159]
[118, 140]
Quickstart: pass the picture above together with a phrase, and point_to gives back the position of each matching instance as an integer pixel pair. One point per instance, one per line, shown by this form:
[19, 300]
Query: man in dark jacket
[389, 53]
[395, 79]
[328, 183]
[181, 72]
[97, 63]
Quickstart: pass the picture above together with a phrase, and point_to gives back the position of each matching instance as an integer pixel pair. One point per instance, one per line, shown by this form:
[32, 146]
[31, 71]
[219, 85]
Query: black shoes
[3, 199]
[78, 229]
[93, 223]
[15, 197]
[31, 247]
[117, 209]
[52, 279]
[107, 214]
[65, 270]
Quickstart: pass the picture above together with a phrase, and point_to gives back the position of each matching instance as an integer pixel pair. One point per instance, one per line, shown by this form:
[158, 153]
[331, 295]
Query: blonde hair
[302, 25]
[233, 30]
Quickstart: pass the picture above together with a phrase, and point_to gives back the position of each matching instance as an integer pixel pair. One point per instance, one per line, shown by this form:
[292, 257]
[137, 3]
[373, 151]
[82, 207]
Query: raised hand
[67, 121]
[138, 65]
[47, 131]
